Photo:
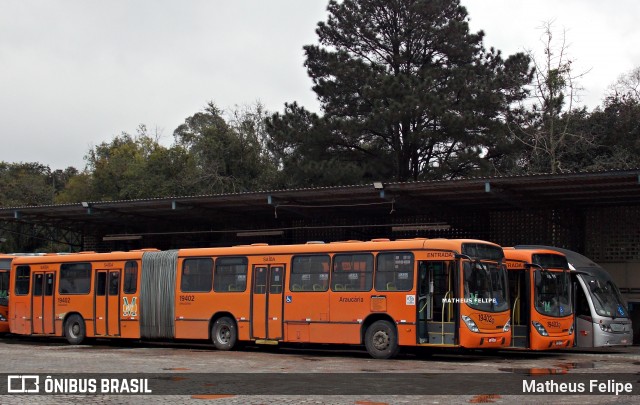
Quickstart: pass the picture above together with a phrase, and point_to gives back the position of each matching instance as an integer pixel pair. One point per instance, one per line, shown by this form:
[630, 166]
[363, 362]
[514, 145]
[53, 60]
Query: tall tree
[545, 126]
[616, 130]
[627, 85]
[407, 91]
[229, 153]
[24, 184]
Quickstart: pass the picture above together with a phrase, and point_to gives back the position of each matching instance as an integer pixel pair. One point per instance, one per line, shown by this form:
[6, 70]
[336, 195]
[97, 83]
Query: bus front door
[583, 321]
[42, 303]
[267, 302]
[436, 323]
[107, 303]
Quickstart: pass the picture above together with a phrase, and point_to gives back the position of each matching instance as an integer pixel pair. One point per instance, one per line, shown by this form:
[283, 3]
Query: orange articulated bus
[383, 294]
[540, 294]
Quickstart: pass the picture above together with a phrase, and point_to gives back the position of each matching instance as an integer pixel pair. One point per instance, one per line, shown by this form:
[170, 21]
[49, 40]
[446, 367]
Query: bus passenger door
[107, 303]
[583, 316]
[267, 302]
[42, 303]
[48, 313]
[37, 304]
[436, 312]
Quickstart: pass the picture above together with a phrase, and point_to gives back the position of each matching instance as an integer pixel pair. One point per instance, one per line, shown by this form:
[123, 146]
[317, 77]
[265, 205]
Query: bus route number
[187, 298]
[64, 301]
[486, 318]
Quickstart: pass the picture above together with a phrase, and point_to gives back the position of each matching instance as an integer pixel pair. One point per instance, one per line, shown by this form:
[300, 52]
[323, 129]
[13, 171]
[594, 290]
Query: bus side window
[23, 279]
[309, 273]
[231, 274]
[197, 275]
[394, 271]
[130, 277]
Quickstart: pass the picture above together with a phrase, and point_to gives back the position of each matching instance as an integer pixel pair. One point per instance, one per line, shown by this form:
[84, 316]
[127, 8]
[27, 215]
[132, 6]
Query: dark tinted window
[197, 275]
[114, 283]
[37, 285]
[549, 261]
[482, 251]
[23, 277]
[130, 277]
[75, 278]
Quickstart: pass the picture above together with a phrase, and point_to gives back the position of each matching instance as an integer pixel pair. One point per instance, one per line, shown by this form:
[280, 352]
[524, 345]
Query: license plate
[559, 342]
[623, 341]
[492, 340]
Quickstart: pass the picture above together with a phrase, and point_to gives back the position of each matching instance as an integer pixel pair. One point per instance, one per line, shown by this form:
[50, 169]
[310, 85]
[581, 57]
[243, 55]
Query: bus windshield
[606, 297]
[552, 293]
[485, 286]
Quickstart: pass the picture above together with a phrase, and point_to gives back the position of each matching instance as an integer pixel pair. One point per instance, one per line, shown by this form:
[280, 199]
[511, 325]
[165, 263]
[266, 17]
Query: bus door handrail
[444, 302]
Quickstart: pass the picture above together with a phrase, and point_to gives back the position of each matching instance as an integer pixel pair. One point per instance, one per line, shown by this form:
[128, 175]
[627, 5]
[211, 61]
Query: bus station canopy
[260, 215]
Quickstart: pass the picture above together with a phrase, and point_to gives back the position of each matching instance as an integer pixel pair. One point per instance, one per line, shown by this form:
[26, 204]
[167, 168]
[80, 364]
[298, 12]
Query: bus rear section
[75, 295]
[541, 299]
[5, 267]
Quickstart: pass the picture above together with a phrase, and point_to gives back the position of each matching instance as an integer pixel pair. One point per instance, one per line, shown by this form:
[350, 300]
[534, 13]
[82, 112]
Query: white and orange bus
[383, 294]
[540, 295]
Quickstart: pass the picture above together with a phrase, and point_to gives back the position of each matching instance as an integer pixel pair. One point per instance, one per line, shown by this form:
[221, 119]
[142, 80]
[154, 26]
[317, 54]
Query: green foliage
[131, 167]
[227, 156]
[406, 90]
[25, 184]
[616, 130]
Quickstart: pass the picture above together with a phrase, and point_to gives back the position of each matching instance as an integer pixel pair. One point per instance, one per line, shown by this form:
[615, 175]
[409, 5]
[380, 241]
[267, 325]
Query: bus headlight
[571, 330]
[541, 330]
[606, 328]
[470, 324]
[2, 318]
[507, 326]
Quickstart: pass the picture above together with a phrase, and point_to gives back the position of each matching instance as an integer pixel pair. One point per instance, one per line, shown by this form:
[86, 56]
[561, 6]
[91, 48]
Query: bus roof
[526, 255]
[576, 260]
[452, 245]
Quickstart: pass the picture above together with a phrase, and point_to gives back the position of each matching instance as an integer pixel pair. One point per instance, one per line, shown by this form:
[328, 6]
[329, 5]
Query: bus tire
[74, 329]
[381, 340]
[224, 333]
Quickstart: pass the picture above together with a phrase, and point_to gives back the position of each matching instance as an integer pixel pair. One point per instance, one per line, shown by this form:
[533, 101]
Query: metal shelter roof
[268, 209]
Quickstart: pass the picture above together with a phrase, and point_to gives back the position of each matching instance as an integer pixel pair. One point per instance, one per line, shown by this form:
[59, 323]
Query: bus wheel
[381, 340]
[224, 334]
[74, 329]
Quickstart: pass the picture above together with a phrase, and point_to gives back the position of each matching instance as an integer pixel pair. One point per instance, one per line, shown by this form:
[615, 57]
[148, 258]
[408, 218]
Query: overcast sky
[74, 73]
